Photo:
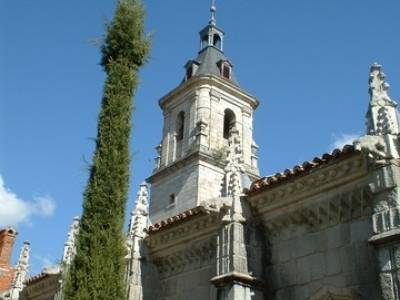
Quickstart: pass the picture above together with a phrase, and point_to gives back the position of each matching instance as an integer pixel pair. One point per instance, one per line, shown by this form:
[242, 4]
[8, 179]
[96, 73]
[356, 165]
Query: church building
[207, 226]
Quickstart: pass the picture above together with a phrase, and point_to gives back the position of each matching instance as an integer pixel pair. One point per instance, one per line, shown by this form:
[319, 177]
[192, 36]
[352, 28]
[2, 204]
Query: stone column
[203, 117]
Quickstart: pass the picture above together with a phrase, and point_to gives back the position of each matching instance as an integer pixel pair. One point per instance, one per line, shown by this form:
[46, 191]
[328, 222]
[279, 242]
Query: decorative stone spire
[381, 145]
[70, 244]
[382, 115]
[136, 234]
[139, 215]
[211, 35]
[232, 266]
[213, 9]
[21, 272]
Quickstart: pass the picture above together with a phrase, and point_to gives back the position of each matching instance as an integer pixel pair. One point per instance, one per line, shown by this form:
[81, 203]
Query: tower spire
[213, 9]
[211, 35]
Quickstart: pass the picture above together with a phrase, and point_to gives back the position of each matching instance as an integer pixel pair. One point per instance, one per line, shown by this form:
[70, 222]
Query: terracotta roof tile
[303, 169]
[172, 221]
[36, 278]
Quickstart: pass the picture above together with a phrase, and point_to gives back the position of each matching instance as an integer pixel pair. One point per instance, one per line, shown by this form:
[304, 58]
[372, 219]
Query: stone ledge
[385, 237]
[236, 277]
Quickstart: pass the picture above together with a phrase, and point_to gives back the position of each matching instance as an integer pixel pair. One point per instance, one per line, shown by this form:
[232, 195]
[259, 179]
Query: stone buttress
[381, 146]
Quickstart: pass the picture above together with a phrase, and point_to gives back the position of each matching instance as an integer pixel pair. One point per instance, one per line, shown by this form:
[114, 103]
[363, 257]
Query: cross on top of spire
[213, 9]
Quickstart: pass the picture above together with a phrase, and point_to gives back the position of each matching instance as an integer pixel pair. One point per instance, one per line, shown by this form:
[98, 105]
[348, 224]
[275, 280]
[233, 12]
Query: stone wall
[317, 228]
[303, 261]
[182, 184]
[183, 254]
[185, 272]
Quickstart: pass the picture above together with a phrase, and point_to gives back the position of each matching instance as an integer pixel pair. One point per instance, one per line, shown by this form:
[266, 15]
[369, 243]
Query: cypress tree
[98, 269]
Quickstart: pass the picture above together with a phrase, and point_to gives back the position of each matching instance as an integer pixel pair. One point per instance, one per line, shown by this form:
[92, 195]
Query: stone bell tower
[199, 115]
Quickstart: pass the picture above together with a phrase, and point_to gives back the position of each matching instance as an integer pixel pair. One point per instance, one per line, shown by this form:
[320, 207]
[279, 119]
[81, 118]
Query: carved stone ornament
[70, 244]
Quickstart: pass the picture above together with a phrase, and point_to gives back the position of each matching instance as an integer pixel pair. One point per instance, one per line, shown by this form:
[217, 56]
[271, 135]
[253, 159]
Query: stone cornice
[194, 228]
[196, 254]
[321, 180]
[386, 237]
[236, 277]
[194, 156]
[322, 213]
[212, 80]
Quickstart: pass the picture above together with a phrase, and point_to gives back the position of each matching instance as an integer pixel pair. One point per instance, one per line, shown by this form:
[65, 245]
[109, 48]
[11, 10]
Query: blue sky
[307, 62]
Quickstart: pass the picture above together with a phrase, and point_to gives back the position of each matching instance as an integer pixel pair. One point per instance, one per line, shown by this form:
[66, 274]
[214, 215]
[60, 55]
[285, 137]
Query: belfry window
[204, 41]
[229, 122]
[180, 126]
[217, 41]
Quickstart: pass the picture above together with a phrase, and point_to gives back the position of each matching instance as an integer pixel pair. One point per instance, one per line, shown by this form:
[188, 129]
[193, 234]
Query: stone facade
[326, 229]
[210, 228]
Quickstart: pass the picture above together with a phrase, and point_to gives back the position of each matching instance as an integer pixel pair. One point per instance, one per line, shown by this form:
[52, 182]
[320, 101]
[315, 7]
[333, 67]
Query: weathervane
[213, 9]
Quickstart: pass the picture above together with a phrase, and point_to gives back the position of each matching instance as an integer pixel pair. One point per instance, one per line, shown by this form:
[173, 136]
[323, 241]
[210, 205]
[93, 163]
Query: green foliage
[98, 269]
[125, 40]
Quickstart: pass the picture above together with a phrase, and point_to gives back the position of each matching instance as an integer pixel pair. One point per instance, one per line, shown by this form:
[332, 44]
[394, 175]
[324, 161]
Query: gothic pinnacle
[378, 87]
[139, 216]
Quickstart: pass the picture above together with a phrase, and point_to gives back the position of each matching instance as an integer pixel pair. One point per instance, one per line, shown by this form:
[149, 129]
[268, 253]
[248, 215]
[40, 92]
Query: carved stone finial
[213, 9]
[70, 243]
[139, 215]
[382, 114]
[378, 87]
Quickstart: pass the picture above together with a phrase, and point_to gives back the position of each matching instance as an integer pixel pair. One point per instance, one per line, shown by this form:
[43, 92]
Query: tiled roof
[300, 170]
[262, 184]
[37, 277]
[172, 221]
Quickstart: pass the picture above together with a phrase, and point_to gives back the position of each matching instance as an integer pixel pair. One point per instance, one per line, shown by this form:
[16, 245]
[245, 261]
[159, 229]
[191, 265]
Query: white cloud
[343, 139]
[14, 210]
[43, 206]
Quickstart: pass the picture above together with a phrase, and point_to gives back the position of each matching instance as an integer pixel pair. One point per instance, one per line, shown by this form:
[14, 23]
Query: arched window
[229, 122]
[204, 41]
[180, 126]
[217, 41]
